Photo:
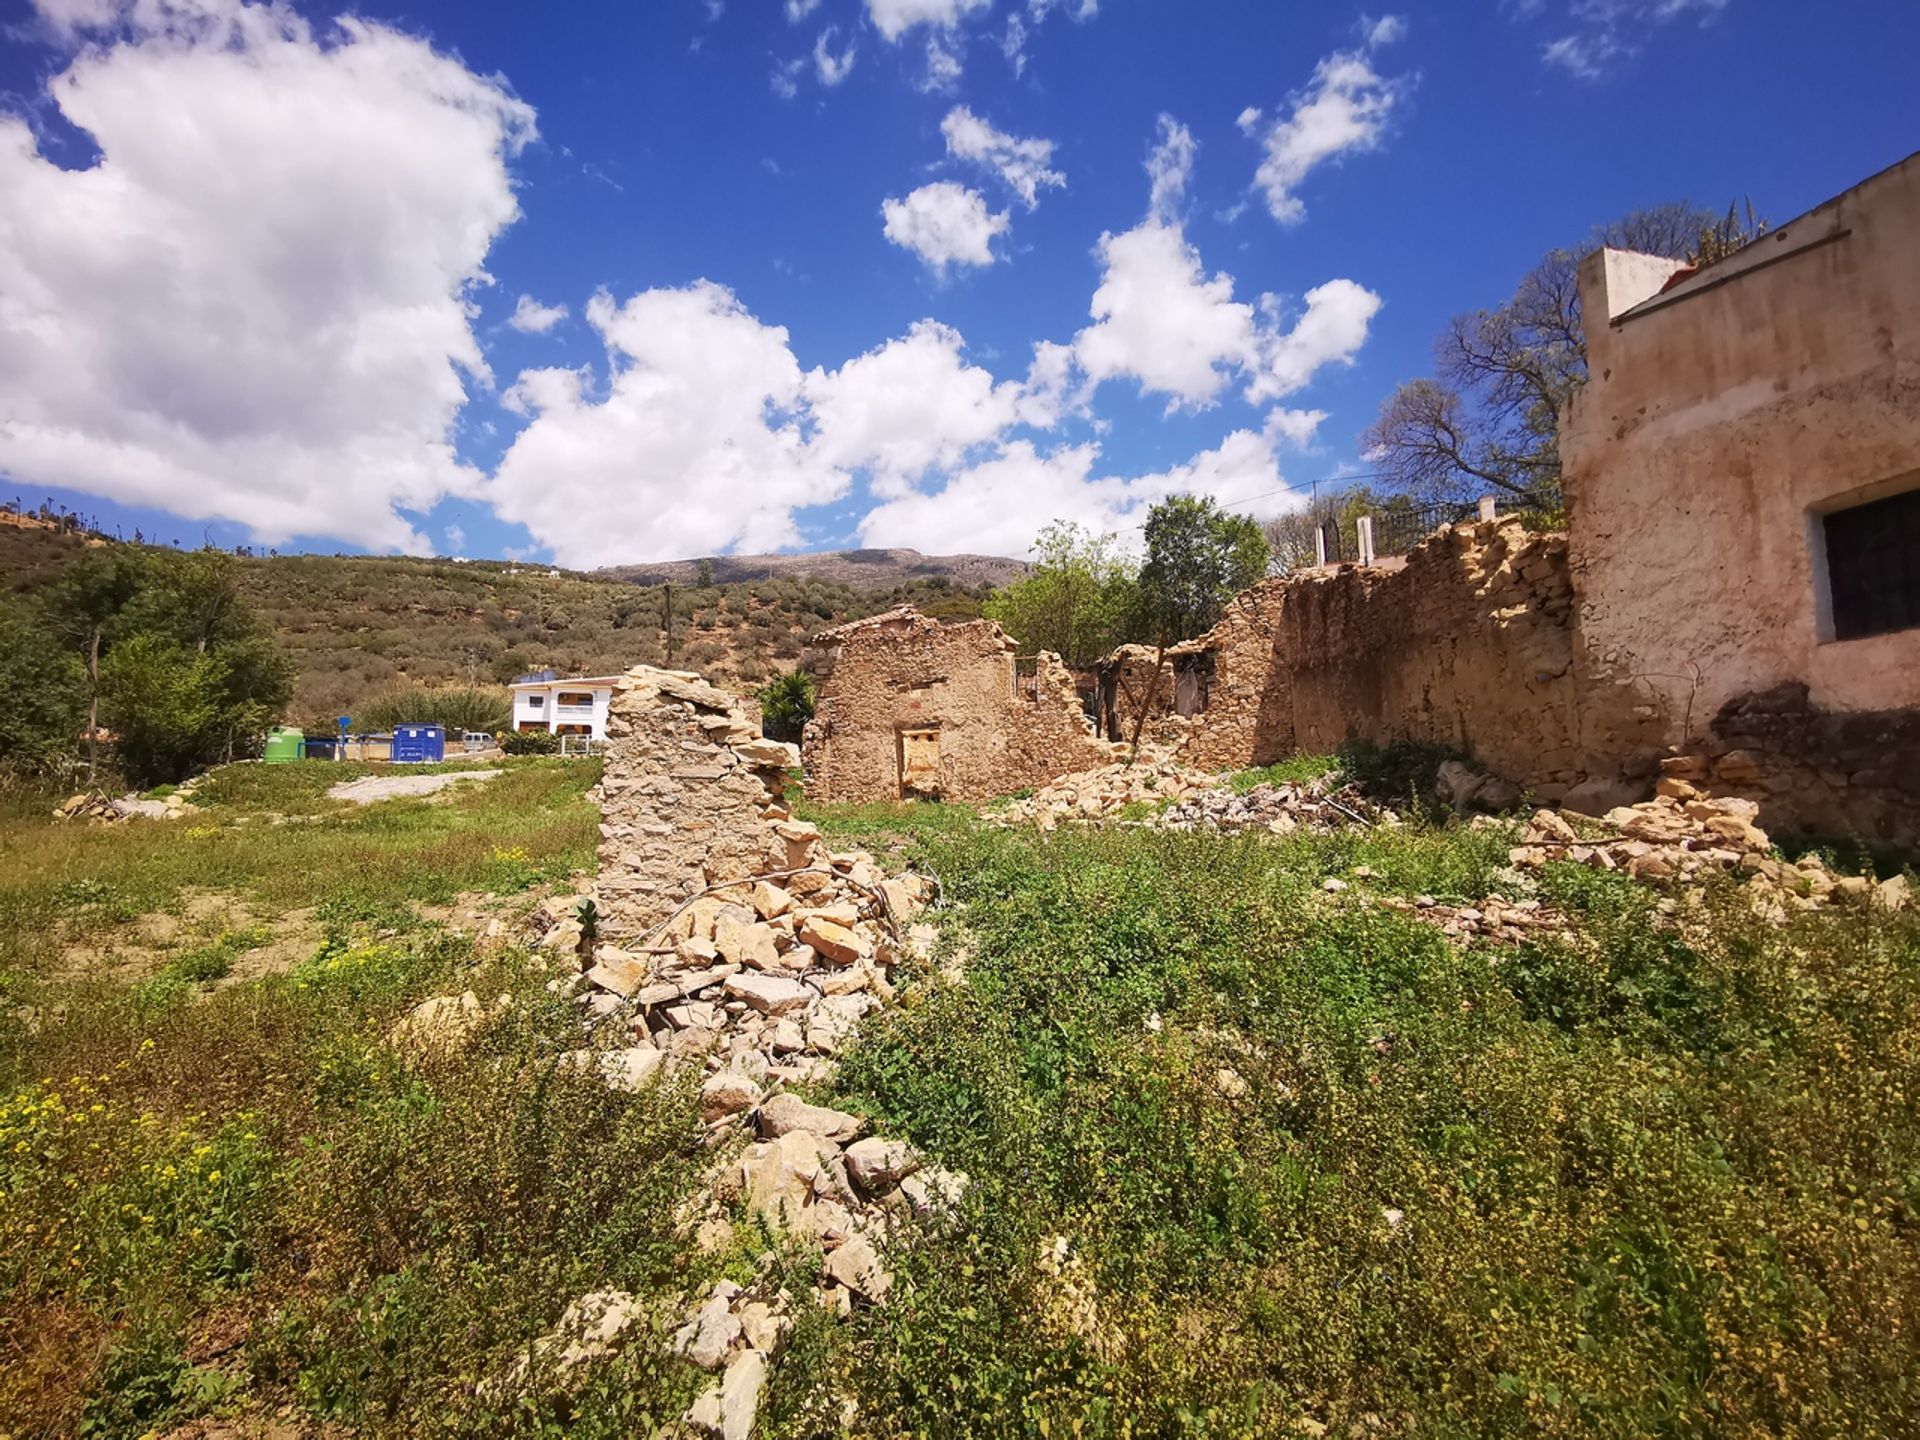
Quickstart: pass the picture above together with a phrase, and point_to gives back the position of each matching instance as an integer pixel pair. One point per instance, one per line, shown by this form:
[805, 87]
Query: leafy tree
[1488, 419]
[84, 607]
[786, 705]
[47, 690]
[1079, 600]
[1198, 558]
[175, 663]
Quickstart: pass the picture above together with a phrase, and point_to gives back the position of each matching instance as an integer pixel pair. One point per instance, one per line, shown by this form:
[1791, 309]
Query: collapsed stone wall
[755, 987]
[1468, 644]
[1471, 644]
[904, 674]
[689, 789]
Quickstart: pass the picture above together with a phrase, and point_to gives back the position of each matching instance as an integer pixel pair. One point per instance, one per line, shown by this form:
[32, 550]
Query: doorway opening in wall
[919, 759]
[1873, 566]
[1192, 682]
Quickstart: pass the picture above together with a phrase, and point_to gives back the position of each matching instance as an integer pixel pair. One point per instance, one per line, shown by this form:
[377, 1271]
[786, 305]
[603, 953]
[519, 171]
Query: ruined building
[910, 708]
[1737, 601]
[1743, 476]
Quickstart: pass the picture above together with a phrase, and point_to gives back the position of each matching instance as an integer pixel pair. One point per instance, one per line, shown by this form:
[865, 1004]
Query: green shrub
[530, 742]
[454, 708]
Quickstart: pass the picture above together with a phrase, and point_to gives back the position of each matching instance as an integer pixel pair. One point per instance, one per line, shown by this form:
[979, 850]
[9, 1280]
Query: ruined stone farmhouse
[910, 708]
[1736, 600]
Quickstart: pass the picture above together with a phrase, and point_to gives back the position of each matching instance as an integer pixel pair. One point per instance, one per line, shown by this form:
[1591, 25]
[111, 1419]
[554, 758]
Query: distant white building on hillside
[564, 707]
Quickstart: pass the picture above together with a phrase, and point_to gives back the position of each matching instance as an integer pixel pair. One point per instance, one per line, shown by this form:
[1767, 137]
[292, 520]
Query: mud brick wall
[999, 731]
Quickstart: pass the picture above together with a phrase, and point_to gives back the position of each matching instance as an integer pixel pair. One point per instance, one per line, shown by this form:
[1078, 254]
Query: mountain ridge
[862, 569]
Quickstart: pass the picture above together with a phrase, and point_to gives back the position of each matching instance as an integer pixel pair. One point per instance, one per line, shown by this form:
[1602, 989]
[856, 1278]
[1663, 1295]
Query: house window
[575, 697]
[1873, 566]
[535, 702]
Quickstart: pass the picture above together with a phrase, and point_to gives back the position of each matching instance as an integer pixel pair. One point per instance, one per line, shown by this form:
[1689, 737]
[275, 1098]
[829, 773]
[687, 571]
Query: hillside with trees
[356, 627]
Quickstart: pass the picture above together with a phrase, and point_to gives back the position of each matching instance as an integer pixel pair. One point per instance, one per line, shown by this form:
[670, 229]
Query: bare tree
[1489, 417]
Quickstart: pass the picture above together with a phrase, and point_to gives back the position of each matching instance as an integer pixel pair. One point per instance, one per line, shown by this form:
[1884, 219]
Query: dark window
[1873, 566]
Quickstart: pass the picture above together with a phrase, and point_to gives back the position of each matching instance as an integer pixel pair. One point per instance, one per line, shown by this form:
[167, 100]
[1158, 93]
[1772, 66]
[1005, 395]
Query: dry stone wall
[689, 792]
[1468, 644]
[945, 707]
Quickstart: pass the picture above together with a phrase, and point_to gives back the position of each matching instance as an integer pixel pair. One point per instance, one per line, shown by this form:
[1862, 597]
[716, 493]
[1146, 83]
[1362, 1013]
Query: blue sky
[262, 271]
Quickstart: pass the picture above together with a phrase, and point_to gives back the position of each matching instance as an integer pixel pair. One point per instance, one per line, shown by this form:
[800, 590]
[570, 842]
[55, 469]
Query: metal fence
[580, 745]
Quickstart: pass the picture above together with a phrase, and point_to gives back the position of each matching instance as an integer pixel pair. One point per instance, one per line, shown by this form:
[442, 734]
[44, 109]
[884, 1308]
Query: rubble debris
[1464, 788]
[1091, 795]
[1495, 918]
[1318, 805]
[732, 945]
[1685, 835]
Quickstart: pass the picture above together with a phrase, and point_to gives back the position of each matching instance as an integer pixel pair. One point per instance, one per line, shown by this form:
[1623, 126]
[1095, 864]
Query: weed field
[1248, 1156]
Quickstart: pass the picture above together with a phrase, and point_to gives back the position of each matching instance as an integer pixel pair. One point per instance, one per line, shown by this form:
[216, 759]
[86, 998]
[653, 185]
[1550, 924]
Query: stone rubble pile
[101, 808]
[1094, 795]
[1495, 919]
[1684, 835]
[739, 948]
[1320, 804]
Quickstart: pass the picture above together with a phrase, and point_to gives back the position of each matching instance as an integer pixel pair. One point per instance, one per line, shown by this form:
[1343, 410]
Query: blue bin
[418, 744]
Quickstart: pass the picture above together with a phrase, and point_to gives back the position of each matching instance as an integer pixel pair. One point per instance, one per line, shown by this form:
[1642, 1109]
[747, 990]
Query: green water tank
[285, 744]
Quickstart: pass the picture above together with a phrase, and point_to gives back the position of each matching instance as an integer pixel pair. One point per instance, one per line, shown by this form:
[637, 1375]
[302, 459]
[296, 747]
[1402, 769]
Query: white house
[565, 707]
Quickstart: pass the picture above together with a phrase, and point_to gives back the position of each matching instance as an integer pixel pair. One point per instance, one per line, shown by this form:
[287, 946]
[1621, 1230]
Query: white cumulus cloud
[695, 447]
[1161, 319]
[1344, 109]
[1025, 165]
[894, 18]
[944, 224]
[908, 406]
[533, 318]
[1329, 332]
[999, 505]
[258, 295]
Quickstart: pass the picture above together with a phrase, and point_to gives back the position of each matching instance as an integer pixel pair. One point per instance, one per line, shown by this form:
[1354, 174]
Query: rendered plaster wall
[1722, 418]
[998, 730]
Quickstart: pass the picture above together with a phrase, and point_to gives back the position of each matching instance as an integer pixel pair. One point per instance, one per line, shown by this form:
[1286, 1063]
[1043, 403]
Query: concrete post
[1320, 545]
[1365, 526]
[1487, 504]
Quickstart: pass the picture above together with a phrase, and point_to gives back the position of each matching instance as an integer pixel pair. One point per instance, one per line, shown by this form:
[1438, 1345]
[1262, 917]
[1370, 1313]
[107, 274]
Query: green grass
[61, 882]
[1648, 1180]
[376, 1234]
[1646, 1183]
[1293, 769]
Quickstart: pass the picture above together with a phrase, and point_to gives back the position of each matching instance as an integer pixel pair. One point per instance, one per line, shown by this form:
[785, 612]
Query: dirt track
[369, 788]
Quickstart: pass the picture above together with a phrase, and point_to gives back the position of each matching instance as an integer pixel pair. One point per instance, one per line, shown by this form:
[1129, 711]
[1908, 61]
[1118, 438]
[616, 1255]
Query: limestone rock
[856, 1265]
[834, 941]
[769, 994]
[617, 971]
[727, 1093]
[785, 1113]
[876, 1165]
[593, 1327]
[439, 1025]
[706, 1339]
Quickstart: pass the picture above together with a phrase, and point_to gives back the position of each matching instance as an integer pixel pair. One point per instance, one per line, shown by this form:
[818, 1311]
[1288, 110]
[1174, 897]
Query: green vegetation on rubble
[1248, 1158]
